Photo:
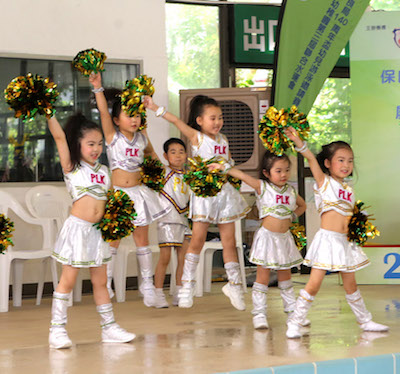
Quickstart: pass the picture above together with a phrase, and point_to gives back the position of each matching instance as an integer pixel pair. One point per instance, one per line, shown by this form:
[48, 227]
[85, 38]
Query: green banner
[312, 35]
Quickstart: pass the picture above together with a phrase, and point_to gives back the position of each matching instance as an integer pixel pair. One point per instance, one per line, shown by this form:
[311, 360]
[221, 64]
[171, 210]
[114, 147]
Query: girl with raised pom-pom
[79, 243]
[203, 132]
[126, 149]
[330, 249]
[273, 244]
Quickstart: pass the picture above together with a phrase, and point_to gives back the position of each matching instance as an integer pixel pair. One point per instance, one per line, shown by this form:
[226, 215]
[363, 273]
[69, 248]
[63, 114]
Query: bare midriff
[89, 209]
[335, 221]
[276, 225]
[123, 178]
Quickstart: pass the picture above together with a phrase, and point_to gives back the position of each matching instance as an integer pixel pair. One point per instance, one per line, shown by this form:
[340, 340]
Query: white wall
[123, 29]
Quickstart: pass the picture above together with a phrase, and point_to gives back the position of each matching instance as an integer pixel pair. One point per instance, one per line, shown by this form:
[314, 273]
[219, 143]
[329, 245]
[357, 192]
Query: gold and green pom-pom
[6, 228]
[202, 182]
[119, 214]
[235, 182]
[30, 95]
[131, 97]
[360, 227]
[152, 173]
[272, 126]
[89, 61]
[299, 234]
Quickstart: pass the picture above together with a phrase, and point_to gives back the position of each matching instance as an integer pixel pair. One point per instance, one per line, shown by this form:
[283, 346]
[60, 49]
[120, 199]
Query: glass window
[192, 48]
[27, 150]
[385, 4]
[253, 77]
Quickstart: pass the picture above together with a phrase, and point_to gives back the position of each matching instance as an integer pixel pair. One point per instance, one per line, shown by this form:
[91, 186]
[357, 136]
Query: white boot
[259, 312]
[289, 298]
[364, 318]
[58, 337]
[298, 317]
[233, 289]
[161, 302]
[145, 260]
[110, 272]
[175, 299]
[111, 332]
[186, 293]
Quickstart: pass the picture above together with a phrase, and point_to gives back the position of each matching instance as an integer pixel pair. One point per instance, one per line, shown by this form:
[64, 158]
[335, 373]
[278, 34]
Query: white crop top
[334, 195]
[124, 154]
[276, 202]
[88, 180]
[208, 148]
[176, 191]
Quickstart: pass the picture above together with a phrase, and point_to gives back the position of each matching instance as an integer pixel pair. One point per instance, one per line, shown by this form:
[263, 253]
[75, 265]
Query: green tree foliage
[385, 4]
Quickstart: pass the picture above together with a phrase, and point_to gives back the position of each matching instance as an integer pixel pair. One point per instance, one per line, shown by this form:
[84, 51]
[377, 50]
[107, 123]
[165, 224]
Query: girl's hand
[95, 80]
[293, 135]
[215, 166]
[148, 103]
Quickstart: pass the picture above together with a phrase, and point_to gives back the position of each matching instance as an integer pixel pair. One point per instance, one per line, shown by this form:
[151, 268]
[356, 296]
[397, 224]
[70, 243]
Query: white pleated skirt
[274, 250]
[330, 250]
[80, 244]
[227, 206]
[149, 205]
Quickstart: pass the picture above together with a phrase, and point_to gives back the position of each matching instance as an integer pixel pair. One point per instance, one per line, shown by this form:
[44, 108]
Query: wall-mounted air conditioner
[242, 109]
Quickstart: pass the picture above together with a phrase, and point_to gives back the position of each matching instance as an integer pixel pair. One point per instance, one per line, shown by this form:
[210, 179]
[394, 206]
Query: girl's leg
[303, 303]
[180, 254]
[110, 267]
[159, 276]
[145, 261]
[186, 293]
[58, 337]
[111, 331]
[356, 302]
[259, 297]
[285, 286]
[233, 289]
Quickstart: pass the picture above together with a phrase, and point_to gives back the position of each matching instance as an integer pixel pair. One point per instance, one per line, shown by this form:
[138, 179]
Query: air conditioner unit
[242, 109]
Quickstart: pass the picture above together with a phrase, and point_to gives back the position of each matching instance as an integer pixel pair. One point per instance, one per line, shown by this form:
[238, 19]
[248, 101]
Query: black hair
[197, 105]
[171, 141]
[268, 162]
[75, 128]
[328, 151]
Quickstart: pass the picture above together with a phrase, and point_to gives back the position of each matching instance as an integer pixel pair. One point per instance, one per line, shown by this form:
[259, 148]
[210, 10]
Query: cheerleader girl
[79, 243]
[330, 249]
[273, 245]
[203, 133]
[126, 149]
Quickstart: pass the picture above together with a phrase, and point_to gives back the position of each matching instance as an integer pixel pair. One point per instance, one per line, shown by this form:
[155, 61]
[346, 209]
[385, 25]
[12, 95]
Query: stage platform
[212, 337]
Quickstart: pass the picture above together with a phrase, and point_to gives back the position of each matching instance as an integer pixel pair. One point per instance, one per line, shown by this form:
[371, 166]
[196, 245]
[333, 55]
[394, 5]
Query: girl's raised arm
[316, 170]
[61, 142]
[102, 106]
[186, 130]
[248, 179]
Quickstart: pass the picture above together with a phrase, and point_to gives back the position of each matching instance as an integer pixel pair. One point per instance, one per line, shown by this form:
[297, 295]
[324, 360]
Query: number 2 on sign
[391, 273]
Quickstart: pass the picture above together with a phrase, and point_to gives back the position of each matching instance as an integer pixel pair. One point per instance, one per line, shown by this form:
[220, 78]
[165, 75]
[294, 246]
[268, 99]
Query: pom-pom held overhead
[119, 214]
[89, 61]
[201, 180]
[30, 95]
[152, 174]
[272, 126]
[132, 95]
[6, 228]
[299, 234]
[360, 227]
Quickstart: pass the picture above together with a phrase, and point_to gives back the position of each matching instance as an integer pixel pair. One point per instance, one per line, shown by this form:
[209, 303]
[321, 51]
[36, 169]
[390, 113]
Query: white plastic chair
[46, 201]
[204, 269]
[15, 257]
